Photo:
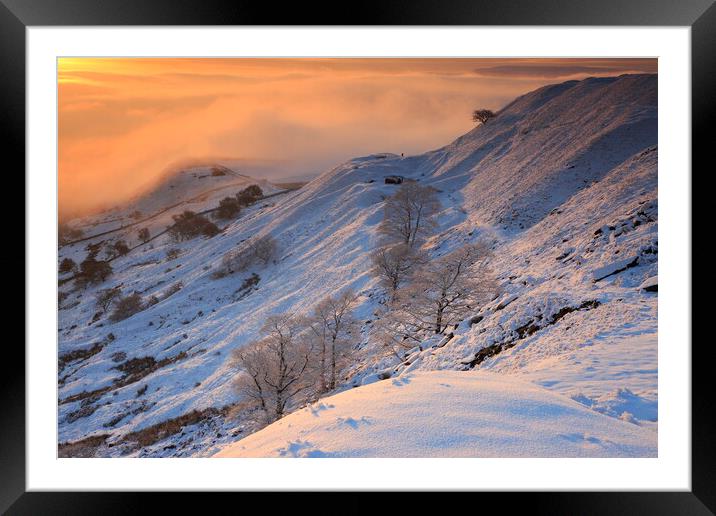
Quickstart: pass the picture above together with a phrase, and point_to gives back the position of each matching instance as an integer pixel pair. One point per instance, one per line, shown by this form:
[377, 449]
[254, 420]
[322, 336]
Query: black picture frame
[16, 15]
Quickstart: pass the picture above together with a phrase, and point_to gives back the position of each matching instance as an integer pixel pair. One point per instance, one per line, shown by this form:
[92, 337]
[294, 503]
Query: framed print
[413, 251]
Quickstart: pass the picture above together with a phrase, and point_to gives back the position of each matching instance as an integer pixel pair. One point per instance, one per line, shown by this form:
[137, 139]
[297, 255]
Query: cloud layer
[122, 122]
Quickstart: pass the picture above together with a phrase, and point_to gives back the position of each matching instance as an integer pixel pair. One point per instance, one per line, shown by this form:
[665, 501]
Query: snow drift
[447, 414]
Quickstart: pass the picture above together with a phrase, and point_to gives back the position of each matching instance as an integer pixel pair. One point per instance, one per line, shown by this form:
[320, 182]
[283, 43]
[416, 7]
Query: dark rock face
[525, 331]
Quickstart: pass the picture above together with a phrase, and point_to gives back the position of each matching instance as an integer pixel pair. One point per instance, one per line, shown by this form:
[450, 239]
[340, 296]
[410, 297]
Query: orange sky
[123, 121]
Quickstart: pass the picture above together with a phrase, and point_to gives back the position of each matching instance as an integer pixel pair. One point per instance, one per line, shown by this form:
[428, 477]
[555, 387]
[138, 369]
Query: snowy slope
[547, 145]
[447, 414]
[563, 180]
[552, 266]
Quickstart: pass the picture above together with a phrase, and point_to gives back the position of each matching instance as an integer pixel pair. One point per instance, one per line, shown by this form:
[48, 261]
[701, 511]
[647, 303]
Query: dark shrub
[67, 265]
[114, 249]
[121, 247]
[249, 195]
[67, 234]
[254, 190]
[229, 207]
[189, 225]
[94, 271]
[94, 249]
[482, 115]
[127, 306]
[210, 229]
[143, 234]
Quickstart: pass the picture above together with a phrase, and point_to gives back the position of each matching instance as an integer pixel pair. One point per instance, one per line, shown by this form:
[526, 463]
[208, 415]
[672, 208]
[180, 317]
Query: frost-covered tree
[408, 215]
[274, 371]
[256, 250]
[394, 265]
[395, 335]
[333, 326]
[444, 292]
[264, 249]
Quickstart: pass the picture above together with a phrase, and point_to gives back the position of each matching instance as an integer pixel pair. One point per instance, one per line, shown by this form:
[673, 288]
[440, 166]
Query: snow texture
[447, 414]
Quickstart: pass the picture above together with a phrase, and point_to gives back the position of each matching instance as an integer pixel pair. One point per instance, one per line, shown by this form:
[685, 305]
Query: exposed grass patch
[79, 354]
[134, 370]
[83, 448]
[152, 434]
[137, 368]
[80, 396]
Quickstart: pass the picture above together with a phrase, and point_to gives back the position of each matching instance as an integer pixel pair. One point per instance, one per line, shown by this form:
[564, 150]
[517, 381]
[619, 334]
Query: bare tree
[143, 234]
[444, 292]
[333, 326]
[482, 115]
[396, 334]
[395, 264]
[409, 214]
[275, 370]
[107, 296]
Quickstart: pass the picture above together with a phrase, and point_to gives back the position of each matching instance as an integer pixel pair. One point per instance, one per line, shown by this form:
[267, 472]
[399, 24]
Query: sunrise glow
[122, 122]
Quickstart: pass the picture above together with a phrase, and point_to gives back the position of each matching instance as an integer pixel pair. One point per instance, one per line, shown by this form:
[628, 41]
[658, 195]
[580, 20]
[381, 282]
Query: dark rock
[475, 320]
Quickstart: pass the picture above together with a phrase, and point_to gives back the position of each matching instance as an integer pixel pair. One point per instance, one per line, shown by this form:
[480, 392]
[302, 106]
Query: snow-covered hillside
[563, 181]
[192, 188]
